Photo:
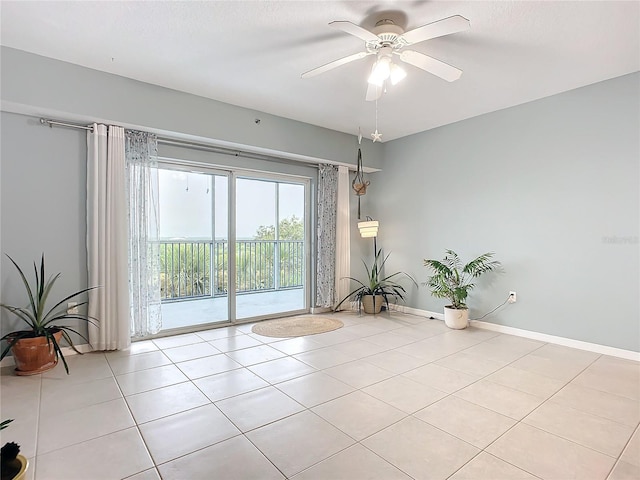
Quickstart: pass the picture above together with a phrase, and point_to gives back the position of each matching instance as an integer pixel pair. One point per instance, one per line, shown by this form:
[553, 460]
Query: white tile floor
[387, 397]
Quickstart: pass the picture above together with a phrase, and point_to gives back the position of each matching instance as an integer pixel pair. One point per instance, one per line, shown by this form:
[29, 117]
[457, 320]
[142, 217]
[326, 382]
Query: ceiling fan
[388, 39]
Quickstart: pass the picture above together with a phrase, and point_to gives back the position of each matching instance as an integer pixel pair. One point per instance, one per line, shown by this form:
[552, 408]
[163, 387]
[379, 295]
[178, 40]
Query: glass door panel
[291, 207]
[193, 248]
[270, 247]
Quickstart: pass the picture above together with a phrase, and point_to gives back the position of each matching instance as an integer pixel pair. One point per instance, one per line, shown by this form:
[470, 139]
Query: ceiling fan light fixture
[375, 79]
[396, 74]
[380, 71]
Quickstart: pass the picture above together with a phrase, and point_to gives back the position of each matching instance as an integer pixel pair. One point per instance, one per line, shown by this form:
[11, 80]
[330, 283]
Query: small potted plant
[37, 348]
[13, 466]
[453, 281]
[378, 289]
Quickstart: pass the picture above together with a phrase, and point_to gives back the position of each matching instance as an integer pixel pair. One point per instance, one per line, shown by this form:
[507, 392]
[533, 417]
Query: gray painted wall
[552, 187]
[43, 195]
[32, 84]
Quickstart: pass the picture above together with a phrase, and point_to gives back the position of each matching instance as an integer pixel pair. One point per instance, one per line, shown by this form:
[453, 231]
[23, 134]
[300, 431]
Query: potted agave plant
[452, 280]
[36, 349]
[378, 289]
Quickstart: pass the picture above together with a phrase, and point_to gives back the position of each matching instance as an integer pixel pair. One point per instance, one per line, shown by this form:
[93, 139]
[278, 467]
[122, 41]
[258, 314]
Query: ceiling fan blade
[374, 92]
[334, 64]
[355, 30]
[431, 65]
[448, 25]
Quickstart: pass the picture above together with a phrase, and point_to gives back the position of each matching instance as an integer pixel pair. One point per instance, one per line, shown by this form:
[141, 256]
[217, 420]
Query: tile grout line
[135, 421]
[624, 449]
[38, 418]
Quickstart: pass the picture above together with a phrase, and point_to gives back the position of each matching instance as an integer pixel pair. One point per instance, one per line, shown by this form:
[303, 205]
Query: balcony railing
[192, 269]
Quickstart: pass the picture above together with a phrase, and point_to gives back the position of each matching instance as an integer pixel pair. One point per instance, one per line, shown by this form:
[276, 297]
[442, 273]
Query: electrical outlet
[512, 297]
[72, 308]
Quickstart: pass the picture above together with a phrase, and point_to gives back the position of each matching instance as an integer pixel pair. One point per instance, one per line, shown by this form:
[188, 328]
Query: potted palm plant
[37, 348]
[378, 289]
[452, 280]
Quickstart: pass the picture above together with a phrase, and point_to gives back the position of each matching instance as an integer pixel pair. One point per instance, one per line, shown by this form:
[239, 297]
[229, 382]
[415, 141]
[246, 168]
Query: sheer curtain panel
[107, 238]
[326, 255]
[144, 250]
[343, 236]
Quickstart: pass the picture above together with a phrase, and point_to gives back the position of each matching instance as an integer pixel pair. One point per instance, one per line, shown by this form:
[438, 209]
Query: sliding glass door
[270, 247]
[232, 248]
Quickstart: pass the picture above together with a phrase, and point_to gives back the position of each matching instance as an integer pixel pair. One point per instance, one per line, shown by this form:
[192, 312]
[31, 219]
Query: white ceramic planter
[456, 319]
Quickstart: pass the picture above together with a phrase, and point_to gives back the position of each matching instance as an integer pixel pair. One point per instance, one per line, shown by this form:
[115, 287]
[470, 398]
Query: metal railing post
[213, 267]
[276, 264]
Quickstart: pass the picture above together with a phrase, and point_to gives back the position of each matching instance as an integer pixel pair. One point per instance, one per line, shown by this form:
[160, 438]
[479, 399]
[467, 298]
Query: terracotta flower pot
[35, 355]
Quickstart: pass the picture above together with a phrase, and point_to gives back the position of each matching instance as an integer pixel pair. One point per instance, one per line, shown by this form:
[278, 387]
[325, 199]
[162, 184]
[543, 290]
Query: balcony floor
[186, 313]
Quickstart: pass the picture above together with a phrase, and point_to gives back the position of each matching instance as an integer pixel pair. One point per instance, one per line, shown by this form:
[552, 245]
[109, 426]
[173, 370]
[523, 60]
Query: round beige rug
[297, 326]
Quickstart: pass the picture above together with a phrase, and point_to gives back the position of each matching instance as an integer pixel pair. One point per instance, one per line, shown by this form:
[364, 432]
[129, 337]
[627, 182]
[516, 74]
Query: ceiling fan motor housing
[389, 35]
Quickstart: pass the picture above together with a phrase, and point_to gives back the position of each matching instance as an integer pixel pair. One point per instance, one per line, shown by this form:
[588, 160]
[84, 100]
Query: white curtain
[107, 238]
[343, 236]
[326, 255]
[144, 249]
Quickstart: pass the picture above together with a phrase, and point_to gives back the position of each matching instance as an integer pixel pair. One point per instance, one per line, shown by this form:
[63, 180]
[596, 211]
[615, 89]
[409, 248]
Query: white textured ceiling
[251, 53]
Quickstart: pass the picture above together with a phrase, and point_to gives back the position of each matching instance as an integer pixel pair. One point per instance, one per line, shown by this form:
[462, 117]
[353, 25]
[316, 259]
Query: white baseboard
[566, 342]
[420, 313]
[66, 351]
[543, 337]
